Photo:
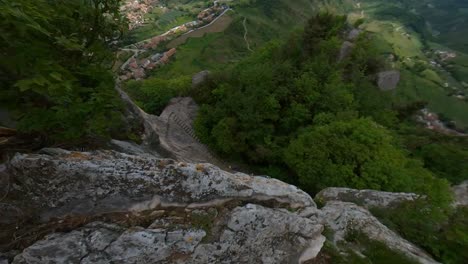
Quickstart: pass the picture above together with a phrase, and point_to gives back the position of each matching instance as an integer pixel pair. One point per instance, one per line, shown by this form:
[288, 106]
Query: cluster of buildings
[209, 14]
[432, 121]
[204, 17]
[136, 10]
[137, 68]
[445, 55]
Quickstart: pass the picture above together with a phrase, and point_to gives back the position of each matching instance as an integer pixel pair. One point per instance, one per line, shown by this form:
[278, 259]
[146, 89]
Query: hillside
[131, 131]
[433, 66]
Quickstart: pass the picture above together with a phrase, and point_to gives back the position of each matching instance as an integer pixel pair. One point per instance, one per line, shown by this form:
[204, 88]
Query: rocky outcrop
[388, 80]
[174, 128]
[353, 34]
[200, 78]
[343, 218]
[132, 148]
[365, 198]
[171, 134]
[345, 50]
[195, 213]
[460, 194]
[60, 183]
[246, 236]
[111, 207]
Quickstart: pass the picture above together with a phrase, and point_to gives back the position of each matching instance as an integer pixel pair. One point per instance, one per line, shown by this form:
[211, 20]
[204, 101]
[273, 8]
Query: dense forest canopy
[293, 110]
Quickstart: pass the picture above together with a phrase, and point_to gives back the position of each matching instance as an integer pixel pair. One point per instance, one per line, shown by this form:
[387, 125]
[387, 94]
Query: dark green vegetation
[420, 34]
[265, 20]
[371, 251]
[292, 111]
[55, 67]
[293, 108]
[159, 91]
[442, 233]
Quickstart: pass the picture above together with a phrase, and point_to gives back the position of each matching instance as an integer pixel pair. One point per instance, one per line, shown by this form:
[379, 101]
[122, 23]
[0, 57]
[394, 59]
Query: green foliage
[378, 252]
[356, 153]
[446, 160]
[55, 66]
[253, 110]
[153, 94]
[446, 156]
[371, 252]
[439, 230]
[321, 27]
[288, 112]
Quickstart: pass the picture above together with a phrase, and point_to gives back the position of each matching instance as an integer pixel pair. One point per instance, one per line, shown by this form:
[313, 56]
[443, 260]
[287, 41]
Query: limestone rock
[199, 78]
[343, 217]
[345, 50]
[365, 198]
[171, 134]
[353, 34]
[174, 128]
[144, 209]
[132, 148]
[388, 80]
[461, 194]
[250, 234]
[81, 183]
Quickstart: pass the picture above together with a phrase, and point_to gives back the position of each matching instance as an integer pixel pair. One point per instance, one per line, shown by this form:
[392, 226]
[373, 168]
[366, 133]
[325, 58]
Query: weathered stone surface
[461, 194]
[345, 50]
[62, 182]
[171, 134]
[388, 80]
[176, 212]
[353, 34]
[132, 148]
[174, 128]
[365, 198]
[199, 78]
[255, 234]
[251, 234]
[343, 217]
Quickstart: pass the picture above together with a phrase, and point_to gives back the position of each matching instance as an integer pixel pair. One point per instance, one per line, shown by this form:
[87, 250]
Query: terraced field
[217, 26]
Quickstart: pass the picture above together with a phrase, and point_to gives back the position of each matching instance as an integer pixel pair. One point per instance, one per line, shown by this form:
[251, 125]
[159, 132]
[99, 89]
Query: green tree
[153, 94]
[446, 160]
[55, 65]
[359, 154]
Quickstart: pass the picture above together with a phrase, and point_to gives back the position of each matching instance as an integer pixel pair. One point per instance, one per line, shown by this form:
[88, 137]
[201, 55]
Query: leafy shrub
[55, 67]
[153, 94]
[440, 230]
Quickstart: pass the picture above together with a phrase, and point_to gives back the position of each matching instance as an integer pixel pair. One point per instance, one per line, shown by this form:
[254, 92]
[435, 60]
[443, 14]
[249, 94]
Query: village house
[137, 69]
[136, 10]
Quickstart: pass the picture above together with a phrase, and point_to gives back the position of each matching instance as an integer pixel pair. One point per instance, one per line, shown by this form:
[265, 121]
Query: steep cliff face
[110, 207]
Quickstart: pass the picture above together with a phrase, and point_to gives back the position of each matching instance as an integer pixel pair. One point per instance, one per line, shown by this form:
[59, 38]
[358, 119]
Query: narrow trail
[245, 34]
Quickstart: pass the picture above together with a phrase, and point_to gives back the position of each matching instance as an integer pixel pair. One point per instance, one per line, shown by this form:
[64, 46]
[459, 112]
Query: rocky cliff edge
[109, 207]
